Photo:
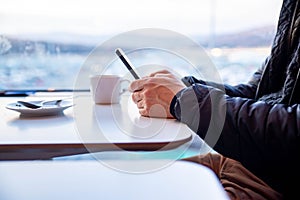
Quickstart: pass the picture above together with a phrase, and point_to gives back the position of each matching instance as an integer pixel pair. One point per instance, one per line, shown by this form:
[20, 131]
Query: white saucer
[45, 110]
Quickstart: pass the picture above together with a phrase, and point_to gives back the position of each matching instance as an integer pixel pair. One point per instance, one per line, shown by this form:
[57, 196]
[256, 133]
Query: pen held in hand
[126, 62]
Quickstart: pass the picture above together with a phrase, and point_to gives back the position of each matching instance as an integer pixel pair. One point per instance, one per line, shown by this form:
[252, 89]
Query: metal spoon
[38, 105]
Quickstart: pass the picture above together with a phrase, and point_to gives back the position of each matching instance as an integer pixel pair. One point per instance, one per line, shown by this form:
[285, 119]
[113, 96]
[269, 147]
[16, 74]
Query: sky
[95, 17]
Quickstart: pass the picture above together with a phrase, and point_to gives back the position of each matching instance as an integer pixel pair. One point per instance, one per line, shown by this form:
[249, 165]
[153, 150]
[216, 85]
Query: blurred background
[43, 44]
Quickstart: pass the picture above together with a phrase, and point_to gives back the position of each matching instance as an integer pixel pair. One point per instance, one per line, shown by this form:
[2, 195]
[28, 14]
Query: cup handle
[123, 90]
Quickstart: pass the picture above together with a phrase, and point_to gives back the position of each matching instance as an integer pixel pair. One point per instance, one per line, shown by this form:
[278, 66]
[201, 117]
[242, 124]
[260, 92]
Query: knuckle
[134, 97]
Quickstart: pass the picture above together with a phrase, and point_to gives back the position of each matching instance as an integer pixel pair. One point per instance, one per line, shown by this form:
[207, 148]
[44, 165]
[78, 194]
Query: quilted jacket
[257, 123]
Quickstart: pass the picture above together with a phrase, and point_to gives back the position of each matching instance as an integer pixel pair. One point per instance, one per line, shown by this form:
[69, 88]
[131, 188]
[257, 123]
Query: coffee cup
[106, 89]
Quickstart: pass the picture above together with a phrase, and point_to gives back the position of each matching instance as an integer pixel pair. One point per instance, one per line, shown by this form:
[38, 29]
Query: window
[44, 43]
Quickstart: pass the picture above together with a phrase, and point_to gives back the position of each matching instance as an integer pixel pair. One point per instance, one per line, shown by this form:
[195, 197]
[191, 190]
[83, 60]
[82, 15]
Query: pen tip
[119, 51]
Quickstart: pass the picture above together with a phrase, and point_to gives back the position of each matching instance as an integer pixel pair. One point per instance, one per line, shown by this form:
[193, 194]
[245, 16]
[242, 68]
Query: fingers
[144, 112]
[136, 85]
[140, 105]
[140, 84]
[136, 97]
[155, 110]
[150, 106]
[153, 94]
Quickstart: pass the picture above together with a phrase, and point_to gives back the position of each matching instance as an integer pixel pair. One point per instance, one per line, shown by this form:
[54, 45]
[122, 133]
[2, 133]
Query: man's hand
[153, 94]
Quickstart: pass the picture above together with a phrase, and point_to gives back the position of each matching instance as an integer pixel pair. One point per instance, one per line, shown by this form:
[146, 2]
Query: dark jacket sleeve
[252, 132]
[247, 90]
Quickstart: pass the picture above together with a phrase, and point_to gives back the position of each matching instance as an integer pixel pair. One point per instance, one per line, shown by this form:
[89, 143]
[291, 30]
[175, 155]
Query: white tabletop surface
[88, 122]
[103, 127]
[48, 180]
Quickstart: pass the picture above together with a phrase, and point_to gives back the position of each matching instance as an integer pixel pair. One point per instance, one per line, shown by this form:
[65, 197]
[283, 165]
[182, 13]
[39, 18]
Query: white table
[84, 128]
[48, 180]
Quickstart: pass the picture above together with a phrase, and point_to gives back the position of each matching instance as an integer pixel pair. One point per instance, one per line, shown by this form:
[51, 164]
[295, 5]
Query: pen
[126, 62]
